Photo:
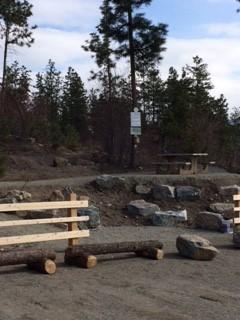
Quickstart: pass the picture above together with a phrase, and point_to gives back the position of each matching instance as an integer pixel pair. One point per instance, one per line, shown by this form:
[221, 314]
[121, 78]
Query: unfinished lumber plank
[83, 260]
[25, 256]
[117, 247]
[33, 238]
[236, 220]
[27, 222]
[236, 197]
[11, 207]
[46, 266]
[237, 208]
[72, 212]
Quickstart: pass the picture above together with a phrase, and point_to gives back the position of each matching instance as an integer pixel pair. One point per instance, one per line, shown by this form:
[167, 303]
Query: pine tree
[74, 103]
[47, 105]
[100, 46]
[18, 98]
[48, 92]
[139, 40]
[15, 28]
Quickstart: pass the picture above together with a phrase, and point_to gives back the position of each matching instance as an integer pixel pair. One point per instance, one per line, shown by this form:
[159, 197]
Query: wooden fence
[72, 234]
[236, 215]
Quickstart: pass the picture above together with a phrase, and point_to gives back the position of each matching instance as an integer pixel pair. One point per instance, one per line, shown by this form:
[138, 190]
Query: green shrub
[71, 137]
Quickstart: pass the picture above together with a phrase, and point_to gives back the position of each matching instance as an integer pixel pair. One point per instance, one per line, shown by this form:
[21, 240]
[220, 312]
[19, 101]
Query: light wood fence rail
[73, 234]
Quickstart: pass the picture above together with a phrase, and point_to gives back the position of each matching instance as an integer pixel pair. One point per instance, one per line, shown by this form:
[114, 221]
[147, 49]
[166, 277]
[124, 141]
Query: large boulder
[163, 192]
[94, 217]
[57, 195]
[187, 193]
[6, 200]
[36, 214]
[143, 190]
[195, 247]
[19, 195]
[225, 209]
[106, 182]
[209, 221]
[169, 218]
[229, 191]
[236, 235]
[142, 208]
[60, 162]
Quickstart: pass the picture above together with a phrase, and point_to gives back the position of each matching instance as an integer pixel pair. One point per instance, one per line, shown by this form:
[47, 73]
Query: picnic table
[184, 163]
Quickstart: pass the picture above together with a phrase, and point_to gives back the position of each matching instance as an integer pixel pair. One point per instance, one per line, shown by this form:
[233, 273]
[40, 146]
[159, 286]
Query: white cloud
[221, 55]
[222, 29]
[65, 25]
[66, 14]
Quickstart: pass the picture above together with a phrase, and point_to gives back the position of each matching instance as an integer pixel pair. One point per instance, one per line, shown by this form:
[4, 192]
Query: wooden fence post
[72, 226]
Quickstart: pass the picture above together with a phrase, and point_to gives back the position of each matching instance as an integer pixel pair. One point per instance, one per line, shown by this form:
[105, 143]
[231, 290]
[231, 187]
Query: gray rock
[8, 200]
[106, 182]
[195, 247]
[169, 218]
[36, 214]
[229, 191]
[142, 208]
[209, 221]
[57, 195]
[163, 192]
[143, 190]
[236, 235]
[19, 195]
[94, 217]
[60, 162]
[187, 193]
[225, 209]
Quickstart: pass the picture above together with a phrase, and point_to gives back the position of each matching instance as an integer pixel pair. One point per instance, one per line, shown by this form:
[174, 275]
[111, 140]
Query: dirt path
[128, 288]
[82, 180]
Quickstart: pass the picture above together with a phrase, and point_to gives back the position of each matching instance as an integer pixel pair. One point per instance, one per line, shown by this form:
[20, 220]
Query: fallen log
[46, 266]
[83, 260]
[117, 247]
[151, 253]
[25, 256]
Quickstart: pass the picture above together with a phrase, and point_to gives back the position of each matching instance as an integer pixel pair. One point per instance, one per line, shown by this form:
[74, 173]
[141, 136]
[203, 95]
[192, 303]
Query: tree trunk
[5, 56]
[25, 256]
[133, 78]
[2, 106]
[117, 247]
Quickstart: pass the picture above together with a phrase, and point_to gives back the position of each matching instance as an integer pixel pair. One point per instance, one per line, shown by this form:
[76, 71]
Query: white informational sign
[135, 119]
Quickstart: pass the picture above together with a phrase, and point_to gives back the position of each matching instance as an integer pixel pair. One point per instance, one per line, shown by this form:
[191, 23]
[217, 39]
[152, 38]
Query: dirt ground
[127, 287]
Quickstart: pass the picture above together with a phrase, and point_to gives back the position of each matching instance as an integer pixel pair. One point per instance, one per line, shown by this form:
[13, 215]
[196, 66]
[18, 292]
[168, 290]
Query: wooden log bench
[35, 258]
[85, 255]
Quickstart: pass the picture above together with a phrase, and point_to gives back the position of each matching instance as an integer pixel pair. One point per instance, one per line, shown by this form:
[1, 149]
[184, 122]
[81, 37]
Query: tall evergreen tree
[74, 103]
[100, 45]
[18, 97]
[48, 92]
[14, 26]
[139, 40]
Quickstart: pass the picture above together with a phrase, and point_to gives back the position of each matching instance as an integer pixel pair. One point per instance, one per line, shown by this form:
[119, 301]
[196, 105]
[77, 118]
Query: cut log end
[151, 253]
[46, 266]
[83, 260]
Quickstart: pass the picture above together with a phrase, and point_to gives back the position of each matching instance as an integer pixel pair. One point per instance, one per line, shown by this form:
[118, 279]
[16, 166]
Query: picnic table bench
[183, 163]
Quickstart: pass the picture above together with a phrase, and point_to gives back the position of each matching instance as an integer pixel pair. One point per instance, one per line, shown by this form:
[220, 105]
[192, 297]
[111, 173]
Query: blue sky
[209, 28]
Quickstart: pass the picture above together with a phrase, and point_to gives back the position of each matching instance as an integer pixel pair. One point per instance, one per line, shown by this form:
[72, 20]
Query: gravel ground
[127, 287]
